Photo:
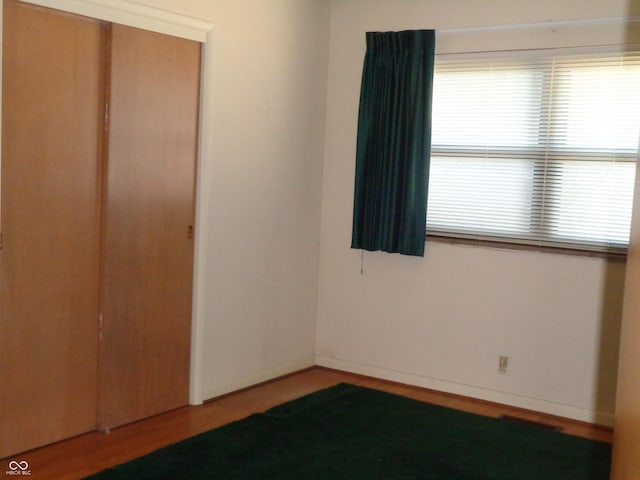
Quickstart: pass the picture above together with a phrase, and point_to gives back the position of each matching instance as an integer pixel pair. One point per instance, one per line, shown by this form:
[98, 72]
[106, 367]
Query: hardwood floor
[92, 452]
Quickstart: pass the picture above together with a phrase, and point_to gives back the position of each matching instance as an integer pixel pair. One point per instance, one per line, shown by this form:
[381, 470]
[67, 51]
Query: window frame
[538, 154]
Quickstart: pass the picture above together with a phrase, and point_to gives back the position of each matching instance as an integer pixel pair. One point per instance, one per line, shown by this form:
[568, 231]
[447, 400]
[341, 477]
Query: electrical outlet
[503, 365]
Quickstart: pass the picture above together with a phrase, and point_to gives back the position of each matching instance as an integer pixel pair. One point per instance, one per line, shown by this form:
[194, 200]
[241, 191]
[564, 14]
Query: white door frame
[156, 20]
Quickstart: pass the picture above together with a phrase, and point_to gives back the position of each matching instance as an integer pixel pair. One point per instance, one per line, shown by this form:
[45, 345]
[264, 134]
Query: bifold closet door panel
[152, 138]
[52, 109]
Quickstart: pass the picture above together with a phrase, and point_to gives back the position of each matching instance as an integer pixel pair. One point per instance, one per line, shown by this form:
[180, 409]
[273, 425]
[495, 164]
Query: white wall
[442, 321]
[268, 85]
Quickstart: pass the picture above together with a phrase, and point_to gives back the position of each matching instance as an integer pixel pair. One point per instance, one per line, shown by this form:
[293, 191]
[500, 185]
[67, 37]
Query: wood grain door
[53, 96]
[149, 214]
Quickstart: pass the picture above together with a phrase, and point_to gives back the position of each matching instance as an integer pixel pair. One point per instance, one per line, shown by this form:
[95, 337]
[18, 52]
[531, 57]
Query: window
[535, 147]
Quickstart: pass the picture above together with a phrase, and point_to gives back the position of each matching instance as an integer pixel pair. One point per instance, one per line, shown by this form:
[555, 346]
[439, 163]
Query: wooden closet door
[152, 138]
[53, 92]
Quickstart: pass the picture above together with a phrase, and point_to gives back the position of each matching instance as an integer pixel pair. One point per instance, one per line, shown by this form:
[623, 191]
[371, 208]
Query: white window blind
[535, 147]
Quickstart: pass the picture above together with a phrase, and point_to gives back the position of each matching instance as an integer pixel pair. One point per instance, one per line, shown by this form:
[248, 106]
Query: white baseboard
[254, 379]
[551, 408]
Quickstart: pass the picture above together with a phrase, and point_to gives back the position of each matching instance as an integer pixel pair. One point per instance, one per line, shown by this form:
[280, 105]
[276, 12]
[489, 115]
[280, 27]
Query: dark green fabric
[354, 433]
[394, 142]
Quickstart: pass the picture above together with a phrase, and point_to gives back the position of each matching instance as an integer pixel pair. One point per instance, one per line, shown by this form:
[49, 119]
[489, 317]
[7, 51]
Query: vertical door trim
[203, 179]
[161, 21]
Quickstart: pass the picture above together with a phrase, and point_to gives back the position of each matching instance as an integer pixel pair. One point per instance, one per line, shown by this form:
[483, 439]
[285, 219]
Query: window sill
[496, 244]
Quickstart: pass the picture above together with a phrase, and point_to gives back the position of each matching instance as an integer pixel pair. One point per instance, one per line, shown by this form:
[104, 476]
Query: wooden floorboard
[81, 456]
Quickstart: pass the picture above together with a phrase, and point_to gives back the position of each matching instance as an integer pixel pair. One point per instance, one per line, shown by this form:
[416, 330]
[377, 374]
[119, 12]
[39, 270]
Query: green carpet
[355, 433]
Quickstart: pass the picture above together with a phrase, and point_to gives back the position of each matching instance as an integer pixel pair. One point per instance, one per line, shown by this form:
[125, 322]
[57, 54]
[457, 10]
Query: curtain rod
[551, 24]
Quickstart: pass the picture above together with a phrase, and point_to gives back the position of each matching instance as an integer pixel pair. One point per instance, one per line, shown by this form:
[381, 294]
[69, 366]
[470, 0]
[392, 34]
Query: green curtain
[394, 142]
